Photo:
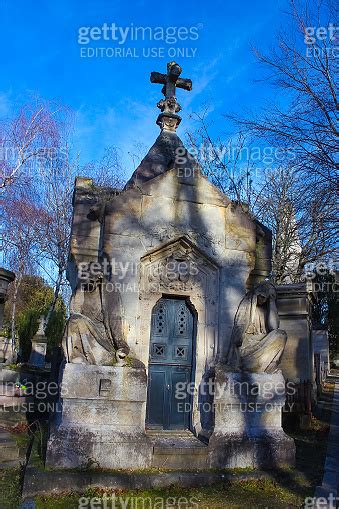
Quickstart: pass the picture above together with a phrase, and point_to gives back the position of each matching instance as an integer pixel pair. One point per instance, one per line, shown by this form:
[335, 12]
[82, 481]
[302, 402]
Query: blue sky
[114, 101]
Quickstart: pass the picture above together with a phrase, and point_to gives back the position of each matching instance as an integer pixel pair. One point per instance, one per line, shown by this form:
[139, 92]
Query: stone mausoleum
[173, 334]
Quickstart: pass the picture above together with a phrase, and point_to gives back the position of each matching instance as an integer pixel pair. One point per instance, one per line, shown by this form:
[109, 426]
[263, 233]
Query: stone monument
[157, 272]
[6, 354]
[321, 353]
[294, 304]
[248, 410]
[39, 346]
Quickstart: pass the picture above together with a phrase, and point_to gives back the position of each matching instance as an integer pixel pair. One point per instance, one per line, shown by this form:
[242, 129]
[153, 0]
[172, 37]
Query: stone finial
[168, 118]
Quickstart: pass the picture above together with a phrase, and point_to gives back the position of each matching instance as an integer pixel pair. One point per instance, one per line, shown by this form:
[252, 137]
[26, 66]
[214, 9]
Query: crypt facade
[157, 271]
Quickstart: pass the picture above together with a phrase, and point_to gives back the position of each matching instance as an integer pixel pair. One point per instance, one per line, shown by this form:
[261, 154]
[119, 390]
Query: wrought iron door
[170, 365]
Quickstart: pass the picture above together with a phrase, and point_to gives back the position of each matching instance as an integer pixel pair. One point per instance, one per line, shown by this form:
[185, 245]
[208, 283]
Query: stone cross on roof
[169, 106]
[171, 80]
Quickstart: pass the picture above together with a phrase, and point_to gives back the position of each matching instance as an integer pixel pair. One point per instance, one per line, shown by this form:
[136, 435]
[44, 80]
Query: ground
[280, 490]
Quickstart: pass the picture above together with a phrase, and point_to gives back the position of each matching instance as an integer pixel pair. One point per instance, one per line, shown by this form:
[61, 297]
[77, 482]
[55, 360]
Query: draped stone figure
[257, 343]
[94, 333]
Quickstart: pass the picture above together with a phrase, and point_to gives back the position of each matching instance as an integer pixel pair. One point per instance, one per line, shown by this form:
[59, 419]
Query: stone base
[58, 482]
[99, 423]
[38, 353]
[8, 375]
[248, 413]
[100, 420]
[241, 451]
[95, 448]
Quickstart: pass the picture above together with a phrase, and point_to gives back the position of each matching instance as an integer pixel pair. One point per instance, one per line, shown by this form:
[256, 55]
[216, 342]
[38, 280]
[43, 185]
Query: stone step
[13, 411]
[9, 450]
[179, 450]
[11, 463]
[4, 435]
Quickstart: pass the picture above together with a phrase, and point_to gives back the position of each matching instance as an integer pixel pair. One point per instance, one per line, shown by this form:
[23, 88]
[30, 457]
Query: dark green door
[170, 365]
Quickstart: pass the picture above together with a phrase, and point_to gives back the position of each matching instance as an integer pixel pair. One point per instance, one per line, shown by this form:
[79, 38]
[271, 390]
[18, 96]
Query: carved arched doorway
[171, 364]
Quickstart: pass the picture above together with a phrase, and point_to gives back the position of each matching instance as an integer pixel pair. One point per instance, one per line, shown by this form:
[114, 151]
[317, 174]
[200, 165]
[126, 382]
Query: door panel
[157, 395]
[179, 413]
[170, 362]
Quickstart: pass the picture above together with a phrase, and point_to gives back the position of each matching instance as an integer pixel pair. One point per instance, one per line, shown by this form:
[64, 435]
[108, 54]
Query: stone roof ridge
[167, 152]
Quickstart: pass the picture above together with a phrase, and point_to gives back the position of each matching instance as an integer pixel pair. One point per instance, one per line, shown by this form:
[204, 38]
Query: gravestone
[294, 303]
[158, 271]
[321, 350]
[39, 346]
[6, 277]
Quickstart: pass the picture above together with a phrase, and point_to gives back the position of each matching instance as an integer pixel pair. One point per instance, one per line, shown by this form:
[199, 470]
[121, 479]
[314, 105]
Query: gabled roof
[162, 156]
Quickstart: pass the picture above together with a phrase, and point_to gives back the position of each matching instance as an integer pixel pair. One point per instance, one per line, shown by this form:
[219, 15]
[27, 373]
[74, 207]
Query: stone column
[294, 308]
[6, 277]
[321, 348]
[263, 256]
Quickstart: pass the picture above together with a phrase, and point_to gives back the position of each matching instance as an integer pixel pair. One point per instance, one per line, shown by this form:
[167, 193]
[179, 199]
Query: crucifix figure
[169, 106]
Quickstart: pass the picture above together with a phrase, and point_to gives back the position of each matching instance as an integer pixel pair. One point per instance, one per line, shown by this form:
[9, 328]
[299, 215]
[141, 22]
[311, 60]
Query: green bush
[34, 300]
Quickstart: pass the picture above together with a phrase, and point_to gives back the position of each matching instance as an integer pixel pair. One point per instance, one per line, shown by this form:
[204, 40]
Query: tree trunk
[55, 297]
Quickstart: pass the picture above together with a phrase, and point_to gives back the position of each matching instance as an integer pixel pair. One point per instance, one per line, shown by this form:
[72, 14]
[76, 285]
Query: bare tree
[21, 218]
[38, 207]
[295, 197]
[137, 153]
[302, 66]
[225, 162]
[300, 214]
[38, 174]
[303, 226]
[108, 171]
[54, 190]
[28, 139]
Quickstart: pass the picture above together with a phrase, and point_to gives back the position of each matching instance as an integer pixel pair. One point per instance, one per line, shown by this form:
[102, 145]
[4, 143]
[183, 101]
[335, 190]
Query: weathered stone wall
[294, 308]
[248, 429]
[320, 345]
[145, 225]
[101, 423]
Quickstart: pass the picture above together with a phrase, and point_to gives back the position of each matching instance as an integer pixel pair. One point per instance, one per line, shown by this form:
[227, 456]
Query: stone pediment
[158, 160]
[179, 267]
[185, 184]
[169, 170]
